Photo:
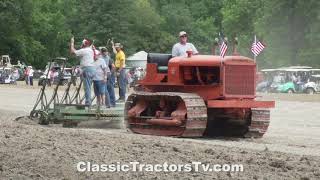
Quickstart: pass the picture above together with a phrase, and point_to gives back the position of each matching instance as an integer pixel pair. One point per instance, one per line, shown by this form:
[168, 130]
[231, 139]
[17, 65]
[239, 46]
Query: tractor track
[196, 115]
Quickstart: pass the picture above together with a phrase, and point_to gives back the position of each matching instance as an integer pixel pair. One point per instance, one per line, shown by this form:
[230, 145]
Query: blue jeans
[110, 89]
[87, 76]
[122, 82]
[99, 87]
[26, 78]
[31, 80]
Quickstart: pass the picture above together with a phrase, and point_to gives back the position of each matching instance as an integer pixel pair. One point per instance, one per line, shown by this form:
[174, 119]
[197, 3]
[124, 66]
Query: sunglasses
[183, 36]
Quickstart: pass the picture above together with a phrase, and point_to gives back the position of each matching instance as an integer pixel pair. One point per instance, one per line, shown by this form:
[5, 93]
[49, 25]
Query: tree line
[36, 30]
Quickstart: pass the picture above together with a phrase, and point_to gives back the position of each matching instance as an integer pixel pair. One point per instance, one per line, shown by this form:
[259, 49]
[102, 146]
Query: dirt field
[289, 150]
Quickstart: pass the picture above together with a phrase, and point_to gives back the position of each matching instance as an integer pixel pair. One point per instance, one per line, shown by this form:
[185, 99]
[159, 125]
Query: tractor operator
[181, 48]
[121, 73]
[86, 55]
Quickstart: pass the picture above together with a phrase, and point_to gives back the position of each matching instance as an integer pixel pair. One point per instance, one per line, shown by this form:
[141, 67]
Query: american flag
[257, 47]
[223, 49]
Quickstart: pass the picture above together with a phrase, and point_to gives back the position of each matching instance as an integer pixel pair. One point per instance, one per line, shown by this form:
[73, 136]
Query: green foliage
[36, 30]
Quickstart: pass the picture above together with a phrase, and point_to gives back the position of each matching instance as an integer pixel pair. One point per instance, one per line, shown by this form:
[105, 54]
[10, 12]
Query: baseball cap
[117, 45]
[103, 49]
[182, 33]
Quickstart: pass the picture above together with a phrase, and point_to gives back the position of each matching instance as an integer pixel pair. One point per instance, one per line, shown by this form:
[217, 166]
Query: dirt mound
[103, 124]
[112, 123]
[26, 120]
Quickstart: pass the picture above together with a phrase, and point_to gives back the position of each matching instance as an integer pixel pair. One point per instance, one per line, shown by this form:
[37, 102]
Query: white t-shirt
[181, 49]
[100, 66]
[31, 71]
[86, 56]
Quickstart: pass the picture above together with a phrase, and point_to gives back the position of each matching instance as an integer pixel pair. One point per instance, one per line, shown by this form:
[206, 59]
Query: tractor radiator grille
[239, 80]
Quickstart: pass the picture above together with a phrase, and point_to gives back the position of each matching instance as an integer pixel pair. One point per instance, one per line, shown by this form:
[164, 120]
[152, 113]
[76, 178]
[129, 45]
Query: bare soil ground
[289, 150]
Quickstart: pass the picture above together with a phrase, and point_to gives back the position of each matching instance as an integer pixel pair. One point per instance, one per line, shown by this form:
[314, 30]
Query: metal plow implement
[66, 107]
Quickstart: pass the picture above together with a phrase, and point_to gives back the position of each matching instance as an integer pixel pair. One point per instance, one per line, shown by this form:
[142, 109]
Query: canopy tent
[138, 59]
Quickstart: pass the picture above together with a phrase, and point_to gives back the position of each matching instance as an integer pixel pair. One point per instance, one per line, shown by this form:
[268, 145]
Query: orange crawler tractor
[199, 95]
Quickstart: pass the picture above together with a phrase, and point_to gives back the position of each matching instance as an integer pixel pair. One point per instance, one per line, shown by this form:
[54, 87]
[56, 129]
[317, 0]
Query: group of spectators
[28, 75]
[98, 68]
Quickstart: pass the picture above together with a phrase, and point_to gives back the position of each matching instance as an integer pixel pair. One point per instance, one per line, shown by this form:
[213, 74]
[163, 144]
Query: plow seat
[161, 60]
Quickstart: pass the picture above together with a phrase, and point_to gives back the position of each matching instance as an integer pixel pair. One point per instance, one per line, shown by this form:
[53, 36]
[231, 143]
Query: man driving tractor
[181, 48]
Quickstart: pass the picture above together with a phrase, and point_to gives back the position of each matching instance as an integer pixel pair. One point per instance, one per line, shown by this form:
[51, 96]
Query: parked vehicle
[51, 77]
[7, 76]
[313, 86]
[285, 80]
[287, 87]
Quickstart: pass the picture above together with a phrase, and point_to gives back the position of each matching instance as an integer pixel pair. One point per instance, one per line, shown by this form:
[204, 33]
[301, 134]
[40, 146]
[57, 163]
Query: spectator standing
[111, 83]
[121, 73]
[100, 79]
[15, 74]
[86, 55]
[26, 75]
[31, 71]
[51, 76]
[105, 56]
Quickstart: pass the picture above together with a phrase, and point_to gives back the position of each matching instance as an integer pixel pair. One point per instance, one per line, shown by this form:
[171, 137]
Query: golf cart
[265, 80]
[52, 73]
[295, 78]
[287, 87]
[6, 76]
[313, 86]
[282, 84]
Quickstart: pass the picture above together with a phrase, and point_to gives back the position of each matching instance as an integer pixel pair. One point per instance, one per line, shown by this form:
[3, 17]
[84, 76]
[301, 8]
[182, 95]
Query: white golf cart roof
[297, 70]
[291, 69]
[299, 67]
[269, 70]
[315, 69]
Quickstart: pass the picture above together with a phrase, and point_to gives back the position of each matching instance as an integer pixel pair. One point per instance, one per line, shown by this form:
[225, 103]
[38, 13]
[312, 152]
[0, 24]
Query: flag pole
[255, 43]
[255, 57]
[220, 49]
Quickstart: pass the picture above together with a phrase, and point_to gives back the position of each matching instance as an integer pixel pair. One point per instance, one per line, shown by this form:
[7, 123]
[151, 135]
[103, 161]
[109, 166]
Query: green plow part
[72, 114]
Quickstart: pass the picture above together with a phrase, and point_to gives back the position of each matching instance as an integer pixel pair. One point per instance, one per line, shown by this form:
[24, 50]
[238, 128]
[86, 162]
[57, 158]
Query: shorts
[99, 88]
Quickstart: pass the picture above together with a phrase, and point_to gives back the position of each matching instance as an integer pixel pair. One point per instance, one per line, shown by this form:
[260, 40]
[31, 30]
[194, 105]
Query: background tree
[36, 30]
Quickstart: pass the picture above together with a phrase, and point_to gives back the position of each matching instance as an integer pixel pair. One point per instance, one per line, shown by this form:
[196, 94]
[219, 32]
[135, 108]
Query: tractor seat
[161, 60]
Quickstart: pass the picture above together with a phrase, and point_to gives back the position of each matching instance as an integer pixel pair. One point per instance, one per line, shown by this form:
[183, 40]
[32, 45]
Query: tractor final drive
[198, 95]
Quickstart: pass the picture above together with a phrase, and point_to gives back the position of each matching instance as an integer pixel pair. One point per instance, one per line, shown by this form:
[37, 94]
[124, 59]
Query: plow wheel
[166, 114]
